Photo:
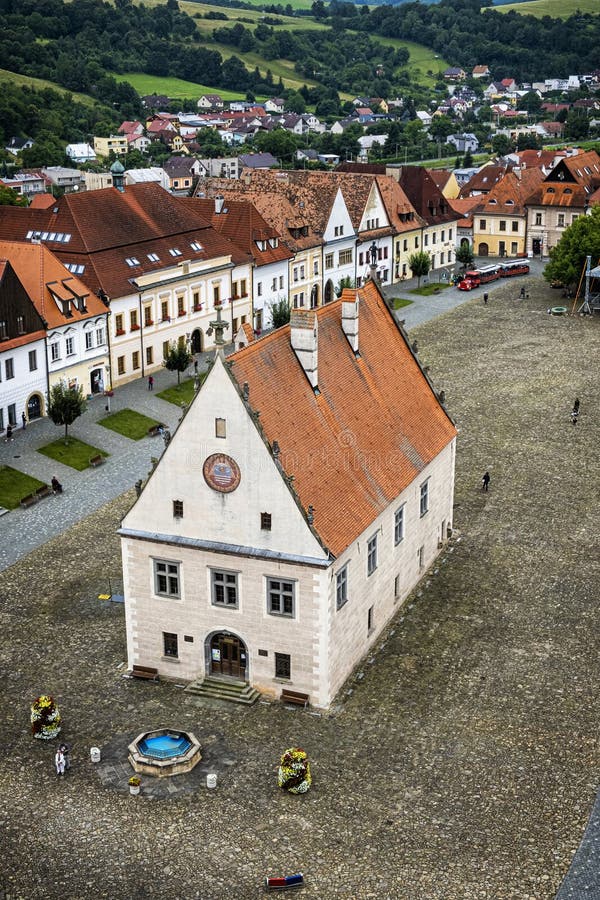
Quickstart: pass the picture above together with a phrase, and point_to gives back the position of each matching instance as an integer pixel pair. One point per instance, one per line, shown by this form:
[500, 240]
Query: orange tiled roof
[374, 426]
[241, 222]
[510, 194]
[43, 275]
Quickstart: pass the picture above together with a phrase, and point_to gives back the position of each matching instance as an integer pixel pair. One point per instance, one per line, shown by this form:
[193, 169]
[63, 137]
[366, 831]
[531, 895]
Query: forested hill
[468, 33]
[77, 44]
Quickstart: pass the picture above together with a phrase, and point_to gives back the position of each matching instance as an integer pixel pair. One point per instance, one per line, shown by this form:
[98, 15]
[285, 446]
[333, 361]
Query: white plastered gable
[338, 217]
[234, 518]
[374, 210]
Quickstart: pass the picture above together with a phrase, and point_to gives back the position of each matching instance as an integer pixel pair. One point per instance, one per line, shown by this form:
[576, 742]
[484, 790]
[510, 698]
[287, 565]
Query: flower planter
[135, 328]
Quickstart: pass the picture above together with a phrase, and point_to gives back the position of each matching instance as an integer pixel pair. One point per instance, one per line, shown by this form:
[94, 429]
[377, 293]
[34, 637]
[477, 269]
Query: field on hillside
[557, 9]
[176, 88]
[40, 84]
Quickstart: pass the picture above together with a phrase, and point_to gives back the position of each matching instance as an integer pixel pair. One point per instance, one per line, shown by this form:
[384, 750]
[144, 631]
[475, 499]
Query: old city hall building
[304, 494]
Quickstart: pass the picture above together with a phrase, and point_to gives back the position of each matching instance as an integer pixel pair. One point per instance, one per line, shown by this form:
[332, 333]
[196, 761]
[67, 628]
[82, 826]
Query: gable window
[3, 331]
[166, 578]
[283, 666]
[55, 351]
[341, 588]
[399, 525]
[178, 509]
[89, 342]
[170, 647]
[280, 597]
[32, 360]
[20, 325]
[224, 588]
[265, 521]
[424, 499]
[372, 555]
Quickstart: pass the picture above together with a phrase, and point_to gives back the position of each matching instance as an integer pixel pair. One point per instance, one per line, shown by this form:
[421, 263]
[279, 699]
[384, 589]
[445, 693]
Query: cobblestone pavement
[461, 761]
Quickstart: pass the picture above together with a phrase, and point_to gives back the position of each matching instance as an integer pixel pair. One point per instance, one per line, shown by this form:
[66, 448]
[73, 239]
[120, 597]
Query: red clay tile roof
[425, 196]
[509, 195]
[570, 183]
[371, 430]
[109, 226]
[42, 274]
[241, 222]
[42, 201]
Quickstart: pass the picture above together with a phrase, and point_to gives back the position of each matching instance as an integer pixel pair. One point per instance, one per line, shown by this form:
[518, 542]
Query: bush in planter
[294, 771]
[45, 718]
[135, 781]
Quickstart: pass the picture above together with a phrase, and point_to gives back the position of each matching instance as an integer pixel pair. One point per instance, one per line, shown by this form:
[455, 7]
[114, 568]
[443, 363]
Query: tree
[281, 311]
[501, 144]
[464, 255]
[9, 197]
[177, 359]
[419, 264]
[346, 282]
[66, 404]
[579, 240]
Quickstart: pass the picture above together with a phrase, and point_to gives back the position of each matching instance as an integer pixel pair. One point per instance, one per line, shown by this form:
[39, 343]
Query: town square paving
[461, 760]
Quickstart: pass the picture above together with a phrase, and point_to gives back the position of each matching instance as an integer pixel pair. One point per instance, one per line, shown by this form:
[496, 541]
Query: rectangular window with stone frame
[341, 588]
[372, 555]
[166, 578]
[281, 597]
[283, 666]
[170, 645]
[224, 588]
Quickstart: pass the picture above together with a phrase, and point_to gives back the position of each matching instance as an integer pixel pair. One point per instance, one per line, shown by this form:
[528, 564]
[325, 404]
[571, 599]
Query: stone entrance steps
[224, 689]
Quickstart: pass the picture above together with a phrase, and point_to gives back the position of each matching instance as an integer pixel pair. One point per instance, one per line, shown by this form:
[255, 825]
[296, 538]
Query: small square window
[265, 521]
[188, 638]
[170, 644]
[220, 428]
[178, 509]
[263, 652]
[283, 665]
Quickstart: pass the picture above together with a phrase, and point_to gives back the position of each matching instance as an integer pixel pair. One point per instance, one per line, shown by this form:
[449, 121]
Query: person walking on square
[24, 420]
[59, 761]
[485, 299]
[522, 294]
[485, 481]
[9, 436]
[150, 383]
[64, 749]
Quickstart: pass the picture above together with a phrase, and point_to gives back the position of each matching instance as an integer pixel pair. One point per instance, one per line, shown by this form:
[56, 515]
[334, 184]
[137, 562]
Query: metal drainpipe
[141, 333]
[108, 321]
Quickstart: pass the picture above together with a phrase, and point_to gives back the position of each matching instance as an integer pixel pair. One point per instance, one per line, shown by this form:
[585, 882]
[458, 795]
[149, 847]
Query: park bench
[29, 500]
[155, 430]
[295, 697]
[44, 491]
[96, 460]
[146, 672]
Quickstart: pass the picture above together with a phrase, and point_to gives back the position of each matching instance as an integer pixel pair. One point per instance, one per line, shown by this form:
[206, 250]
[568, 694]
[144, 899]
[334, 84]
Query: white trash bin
[95, 754]
[211, 780]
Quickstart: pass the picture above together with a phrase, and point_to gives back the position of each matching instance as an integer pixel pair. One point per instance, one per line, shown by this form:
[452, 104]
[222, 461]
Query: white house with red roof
[305, 493]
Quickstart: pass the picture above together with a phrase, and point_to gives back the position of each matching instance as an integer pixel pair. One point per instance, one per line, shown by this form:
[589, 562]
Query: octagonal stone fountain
[164, 751]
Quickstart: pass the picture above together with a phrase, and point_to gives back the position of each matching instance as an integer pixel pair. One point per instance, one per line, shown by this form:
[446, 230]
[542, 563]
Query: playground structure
[591, 294]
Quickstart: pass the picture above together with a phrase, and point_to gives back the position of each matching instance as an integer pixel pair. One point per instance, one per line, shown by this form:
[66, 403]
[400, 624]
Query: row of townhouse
[158, 264]
[524, 210]
[52, 329]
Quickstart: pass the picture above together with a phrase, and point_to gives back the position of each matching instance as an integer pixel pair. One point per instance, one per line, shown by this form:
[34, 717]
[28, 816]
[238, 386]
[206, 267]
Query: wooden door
[228, 656]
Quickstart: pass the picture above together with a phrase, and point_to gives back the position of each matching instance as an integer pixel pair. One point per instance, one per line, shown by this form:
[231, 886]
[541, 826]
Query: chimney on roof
[219, 203]
[350, 321]
[304, 341]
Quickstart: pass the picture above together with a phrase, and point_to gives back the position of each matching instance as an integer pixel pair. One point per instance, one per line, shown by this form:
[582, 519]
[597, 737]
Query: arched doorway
[314, 296]
[197, 341]
[484, 250]
[227, 656]
[329, 294]
[96, 381]
[34, 407]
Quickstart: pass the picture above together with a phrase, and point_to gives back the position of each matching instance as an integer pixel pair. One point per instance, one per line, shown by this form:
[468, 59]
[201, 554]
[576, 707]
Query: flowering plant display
[135, 781]
[45, 718]
[294, 771]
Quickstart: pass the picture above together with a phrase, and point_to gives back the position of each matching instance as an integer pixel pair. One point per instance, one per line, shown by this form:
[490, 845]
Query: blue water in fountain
[164, 746]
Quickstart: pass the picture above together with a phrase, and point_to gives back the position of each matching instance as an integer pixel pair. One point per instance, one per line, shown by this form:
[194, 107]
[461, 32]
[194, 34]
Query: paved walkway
[86, 491]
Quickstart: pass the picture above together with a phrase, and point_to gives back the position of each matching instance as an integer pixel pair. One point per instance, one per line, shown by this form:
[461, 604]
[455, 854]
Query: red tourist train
[475, 277]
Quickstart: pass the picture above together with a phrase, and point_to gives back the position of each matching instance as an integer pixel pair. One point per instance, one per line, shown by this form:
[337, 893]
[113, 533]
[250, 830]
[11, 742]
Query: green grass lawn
[40, 84]
[399, 302]
[76, 453]
[181, 394]
[426, 290]
[557, 9]
[14, 485]
[129, 423]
